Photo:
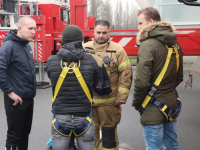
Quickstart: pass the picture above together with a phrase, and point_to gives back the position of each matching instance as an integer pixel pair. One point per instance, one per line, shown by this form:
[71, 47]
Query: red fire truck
[52, 16]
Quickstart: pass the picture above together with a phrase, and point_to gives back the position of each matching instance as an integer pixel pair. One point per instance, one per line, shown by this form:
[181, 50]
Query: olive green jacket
[152, 40]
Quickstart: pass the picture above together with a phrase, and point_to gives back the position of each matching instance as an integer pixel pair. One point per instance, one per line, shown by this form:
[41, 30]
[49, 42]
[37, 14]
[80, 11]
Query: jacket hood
[72, 51]
[162, 31]
[12, 35]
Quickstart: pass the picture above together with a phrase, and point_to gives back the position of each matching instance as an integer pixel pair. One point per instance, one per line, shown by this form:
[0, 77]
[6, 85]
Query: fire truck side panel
[54, 27]
[91, 21]
[40, 38]
[47, 10]
[189, 44]
[80, 20]
[48, 45]
[78, 13]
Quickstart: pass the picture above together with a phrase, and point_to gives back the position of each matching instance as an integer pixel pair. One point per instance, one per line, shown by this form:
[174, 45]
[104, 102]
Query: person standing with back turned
[73, 75]
[107, 105]
[18, 82]
[159, 71]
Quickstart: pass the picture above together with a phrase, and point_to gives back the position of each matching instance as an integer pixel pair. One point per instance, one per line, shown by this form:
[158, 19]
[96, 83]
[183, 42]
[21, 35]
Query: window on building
[172, 10]
[157, 2]
[153, 2]
[180, 13]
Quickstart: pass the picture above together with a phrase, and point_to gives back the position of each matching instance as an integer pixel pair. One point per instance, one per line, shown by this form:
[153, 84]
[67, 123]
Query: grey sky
[124, 2]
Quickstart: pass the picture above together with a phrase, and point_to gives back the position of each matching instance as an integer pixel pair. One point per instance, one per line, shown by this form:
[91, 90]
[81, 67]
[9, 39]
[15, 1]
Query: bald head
[26, 28]
[23, 20]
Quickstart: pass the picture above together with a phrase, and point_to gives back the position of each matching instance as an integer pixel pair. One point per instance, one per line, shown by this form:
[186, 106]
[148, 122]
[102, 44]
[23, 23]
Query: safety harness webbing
[168, 113]
[80, 79]
[59, 82]
[79, 129]
[83, 84]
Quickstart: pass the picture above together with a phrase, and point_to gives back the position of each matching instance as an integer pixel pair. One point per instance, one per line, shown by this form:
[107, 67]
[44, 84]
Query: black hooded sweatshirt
[17, 67]
[71, 98]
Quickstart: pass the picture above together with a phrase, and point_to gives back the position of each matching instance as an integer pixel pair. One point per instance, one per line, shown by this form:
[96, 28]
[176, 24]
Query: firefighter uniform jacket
[119, 70]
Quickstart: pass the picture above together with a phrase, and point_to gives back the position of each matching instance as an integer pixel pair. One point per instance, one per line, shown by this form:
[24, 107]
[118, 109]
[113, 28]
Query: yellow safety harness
[169, 114]
[79, 77]
[79, 129]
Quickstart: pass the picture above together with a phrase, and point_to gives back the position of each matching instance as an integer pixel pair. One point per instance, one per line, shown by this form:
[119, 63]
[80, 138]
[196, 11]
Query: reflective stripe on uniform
[96, 148]
[123, 65]
[123, 90]
[107, 100]
[110, 72]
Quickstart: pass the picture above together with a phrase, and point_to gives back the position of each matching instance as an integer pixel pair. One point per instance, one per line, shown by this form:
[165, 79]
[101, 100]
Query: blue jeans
[84, 142]
[157, 136]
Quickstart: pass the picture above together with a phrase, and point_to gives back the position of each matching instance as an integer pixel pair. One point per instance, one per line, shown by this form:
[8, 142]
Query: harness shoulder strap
[82, 83]
[59, 82]
[161, 75]
[164, 69]
[177, 58]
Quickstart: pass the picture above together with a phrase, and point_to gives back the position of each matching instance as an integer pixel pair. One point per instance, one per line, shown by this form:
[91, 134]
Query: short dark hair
[102, 22]
[150, 13]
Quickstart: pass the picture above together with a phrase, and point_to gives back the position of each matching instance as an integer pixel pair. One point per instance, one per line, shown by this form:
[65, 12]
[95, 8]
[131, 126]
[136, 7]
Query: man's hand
[15, 98]
[117, 103]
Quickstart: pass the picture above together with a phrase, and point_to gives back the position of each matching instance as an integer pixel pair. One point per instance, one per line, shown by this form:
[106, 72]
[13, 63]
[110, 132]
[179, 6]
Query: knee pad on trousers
[108, 137]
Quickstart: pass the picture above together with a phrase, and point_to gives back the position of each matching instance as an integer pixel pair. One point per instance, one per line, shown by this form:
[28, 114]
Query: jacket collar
[144, 32]
[72, 51]
[107, 43]
[101, 47]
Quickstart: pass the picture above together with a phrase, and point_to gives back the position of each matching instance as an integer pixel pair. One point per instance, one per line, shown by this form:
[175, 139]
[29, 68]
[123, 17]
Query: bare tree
[126, 17]
[118, 15]
[92, 7]
[101, 9]
[120, 18]
[133, 17]
[108, 11]
[95, 8]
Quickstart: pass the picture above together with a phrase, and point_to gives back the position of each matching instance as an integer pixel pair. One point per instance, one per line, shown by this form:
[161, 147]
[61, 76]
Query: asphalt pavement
[129, 129]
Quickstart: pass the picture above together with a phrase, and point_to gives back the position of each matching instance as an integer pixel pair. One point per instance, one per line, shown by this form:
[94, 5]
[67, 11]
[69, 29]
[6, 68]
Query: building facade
[181, 15]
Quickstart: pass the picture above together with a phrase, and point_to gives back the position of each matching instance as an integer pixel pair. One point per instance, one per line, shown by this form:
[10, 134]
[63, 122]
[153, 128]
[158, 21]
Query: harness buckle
[70, 67]
[176, 46]
[153, 90]
[61, 128]
[141, 109]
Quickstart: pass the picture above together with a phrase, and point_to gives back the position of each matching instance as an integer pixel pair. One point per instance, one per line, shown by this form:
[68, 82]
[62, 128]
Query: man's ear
[19, 28]
[151, 21]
